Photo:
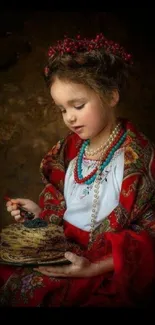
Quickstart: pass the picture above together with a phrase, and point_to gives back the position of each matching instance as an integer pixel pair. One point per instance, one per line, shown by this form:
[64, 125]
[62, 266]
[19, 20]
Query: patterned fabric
[127, 234]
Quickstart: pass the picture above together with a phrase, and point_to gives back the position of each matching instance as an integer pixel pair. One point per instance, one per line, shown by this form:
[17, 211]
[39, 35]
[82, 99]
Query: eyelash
[77, 107]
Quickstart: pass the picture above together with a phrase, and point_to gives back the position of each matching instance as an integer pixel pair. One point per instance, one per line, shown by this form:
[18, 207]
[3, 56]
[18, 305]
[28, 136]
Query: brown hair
[98, 69]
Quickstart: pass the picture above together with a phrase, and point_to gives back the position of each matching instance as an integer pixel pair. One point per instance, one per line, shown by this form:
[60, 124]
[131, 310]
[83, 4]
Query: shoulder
[141, 148]
[136, 134]
[64, 150]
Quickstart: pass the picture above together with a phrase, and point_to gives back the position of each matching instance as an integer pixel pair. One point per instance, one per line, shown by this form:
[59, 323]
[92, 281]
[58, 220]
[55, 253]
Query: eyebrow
[72, 101]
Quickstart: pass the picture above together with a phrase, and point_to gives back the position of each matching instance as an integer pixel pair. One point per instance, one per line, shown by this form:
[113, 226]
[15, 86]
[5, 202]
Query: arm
[80, 267]
[103, 267]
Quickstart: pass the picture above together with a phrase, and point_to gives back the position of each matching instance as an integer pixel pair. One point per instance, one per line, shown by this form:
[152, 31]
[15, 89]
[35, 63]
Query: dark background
[29, 125]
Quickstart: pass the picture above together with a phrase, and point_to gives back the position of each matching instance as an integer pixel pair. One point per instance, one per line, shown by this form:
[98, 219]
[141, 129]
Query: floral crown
[70, 46]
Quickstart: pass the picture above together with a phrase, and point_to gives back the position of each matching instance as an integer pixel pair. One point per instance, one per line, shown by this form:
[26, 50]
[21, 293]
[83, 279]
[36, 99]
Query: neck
[103, 136]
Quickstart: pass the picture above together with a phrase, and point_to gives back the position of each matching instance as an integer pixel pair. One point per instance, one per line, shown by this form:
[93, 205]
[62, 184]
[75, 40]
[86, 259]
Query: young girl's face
[82, 109]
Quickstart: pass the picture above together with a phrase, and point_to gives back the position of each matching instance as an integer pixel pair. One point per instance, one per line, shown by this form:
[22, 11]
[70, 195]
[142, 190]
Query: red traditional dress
[127, 234]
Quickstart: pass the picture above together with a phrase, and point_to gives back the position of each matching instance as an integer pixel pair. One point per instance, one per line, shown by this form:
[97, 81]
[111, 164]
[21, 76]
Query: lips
[77, 127]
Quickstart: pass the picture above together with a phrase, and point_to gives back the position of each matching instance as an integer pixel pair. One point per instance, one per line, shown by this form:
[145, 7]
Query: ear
[114, 98]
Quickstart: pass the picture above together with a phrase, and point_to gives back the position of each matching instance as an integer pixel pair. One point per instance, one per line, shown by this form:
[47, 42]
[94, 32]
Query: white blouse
[79, 197]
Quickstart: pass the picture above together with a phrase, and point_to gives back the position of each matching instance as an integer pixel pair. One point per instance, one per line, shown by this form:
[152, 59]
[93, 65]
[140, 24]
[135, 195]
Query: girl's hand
[80, 267]
[12, 207]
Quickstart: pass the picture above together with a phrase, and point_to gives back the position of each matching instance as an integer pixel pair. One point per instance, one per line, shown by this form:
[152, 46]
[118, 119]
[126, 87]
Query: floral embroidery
[132, 187]
[103, 227]
[48, 196]
[28, 284]
[53, 218]
[54, 207]
[89, 163]
[114, 222]
[56, 148]
[86, 191]
[130, 156]
[24, 283]
[128, 140]
[30, 281]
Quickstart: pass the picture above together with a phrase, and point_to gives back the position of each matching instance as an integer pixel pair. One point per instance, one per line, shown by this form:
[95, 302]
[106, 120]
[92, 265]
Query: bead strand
[94, 152]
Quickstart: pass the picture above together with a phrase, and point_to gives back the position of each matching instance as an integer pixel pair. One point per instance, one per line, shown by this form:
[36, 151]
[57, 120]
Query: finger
[49, 272]
[9, 208]
[15, 213]
[18, 218]
[9, 203]
[19, 201]
[55, 271]
[12, 207]
[76, 260]
[51, 269]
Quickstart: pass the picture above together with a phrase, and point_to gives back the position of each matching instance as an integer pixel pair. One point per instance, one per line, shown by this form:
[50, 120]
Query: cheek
[95, 117]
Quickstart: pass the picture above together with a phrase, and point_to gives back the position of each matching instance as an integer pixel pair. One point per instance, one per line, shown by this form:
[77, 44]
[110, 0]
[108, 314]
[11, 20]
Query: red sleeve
[53, 168]
[134, 264]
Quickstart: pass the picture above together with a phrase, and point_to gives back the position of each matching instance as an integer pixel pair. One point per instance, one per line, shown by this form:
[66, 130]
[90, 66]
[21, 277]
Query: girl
[99, 183]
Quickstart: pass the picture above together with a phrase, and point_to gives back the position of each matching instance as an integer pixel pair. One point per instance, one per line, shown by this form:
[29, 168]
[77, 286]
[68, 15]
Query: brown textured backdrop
[29, 126]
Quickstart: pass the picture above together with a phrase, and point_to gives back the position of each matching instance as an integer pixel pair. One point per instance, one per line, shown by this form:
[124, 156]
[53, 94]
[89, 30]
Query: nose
[71, 118]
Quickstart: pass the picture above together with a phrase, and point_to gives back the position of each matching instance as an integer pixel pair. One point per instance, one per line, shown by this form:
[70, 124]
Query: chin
[83, 137]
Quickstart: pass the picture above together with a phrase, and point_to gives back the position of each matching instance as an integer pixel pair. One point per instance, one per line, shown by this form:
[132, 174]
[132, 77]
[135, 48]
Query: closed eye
[63, 111]
[79, 107]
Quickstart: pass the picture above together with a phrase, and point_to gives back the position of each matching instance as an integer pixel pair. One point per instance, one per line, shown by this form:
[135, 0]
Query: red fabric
[134, 272]
[78, 235]
[126, 235]
[5, 272]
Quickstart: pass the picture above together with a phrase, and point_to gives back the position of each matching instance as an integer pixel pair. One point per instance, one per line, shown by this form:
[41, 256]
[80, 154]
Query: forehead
[68, 91]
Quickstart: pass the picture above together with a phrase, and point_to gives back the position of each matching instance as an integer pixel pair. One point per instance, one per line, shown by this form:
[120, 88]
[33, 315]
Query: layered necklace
[107, 150]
